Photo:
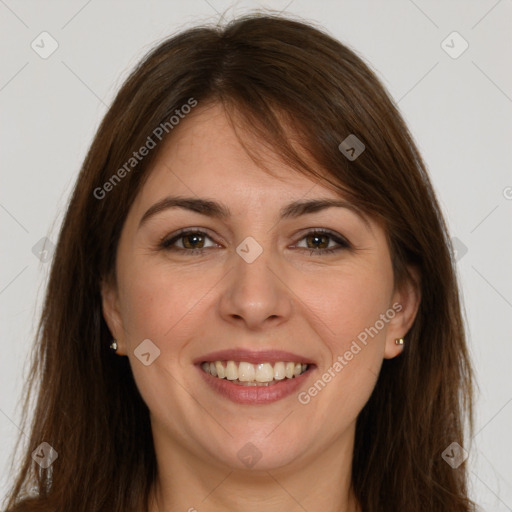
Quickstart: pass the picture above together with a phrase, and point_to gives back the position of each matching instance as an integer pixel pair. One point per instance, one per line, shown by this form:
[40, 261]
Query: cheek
[351, 312]
[160, 302]
[349, 302]
[143, 308]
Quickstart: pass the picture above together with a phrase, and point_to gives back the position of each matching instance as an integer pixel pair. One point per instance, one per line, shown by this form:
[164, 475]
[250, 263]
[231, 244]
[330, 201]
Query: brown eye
[191, 241]
[318, 242]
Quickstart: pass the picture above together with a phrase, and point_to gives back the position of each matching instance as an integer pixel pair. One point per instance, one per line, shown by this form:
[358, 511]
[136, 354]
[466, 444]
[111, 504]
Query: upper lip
[253, 356]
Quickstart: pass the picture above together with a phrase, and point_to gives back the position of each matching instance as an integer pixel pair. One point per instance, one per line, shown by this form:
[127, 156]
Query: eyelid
[324, 231]
[167, 239]
[342, 242]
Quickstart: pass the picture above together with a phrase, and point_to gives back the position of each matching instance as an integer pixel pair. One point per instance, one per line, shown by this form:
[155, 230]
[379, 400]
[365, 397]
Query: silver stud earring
[113, 345]
[399, 341]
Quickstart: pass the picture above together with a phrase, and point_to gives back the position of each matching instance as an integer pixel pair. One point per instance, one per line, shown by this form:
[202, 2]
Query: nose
[256, 293]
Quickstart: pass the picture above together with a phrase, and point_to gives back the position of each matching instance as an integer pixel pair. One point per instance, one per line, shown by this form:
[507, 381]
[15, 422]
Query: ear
[405, 302]
[111, 313]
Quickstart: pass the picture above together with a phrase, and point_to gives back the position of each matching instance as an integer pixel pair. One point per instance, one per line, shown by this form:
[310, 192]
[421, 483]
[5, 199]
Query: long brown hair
[276, 74]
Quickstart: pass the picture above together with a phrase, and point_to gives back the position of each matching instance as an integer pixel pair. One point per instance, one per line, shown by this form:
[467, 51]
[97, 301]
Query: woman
[253, 302]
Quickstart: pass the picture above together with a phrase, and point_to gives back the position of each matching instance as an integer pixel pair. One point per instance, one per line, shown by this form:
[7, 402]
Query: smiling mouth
[243, 373]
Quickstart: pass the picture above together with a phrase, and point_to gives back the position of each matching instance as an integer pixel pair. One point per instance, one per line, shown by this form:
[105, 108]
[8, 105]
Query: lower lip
[255, 394]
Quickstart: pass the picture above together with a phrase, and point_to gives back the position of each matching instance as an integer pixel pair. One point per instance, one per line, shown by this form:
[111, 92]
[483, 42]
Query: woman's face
[262, 294]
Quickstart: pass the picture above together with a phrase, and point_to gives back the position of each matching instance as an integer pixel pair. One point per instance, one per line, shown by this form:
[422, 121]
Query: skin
[288, 299]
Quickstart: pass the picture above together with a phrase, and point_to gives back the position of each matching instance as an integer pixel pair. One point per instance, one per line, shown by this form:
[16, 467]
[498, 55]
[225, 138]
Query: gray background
[458, 109]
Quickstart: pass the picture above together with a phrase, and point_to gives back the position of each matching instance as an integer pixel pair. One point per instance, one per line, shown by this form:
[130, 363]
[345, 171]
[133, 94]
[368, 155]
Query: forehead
[204, 153]
[205, 164]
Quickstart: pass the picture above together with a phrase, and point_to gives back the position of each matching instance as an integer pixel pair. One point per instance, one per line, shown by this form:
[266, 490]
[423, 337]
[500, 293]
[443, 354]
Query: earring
[399, 341]
[113, 345]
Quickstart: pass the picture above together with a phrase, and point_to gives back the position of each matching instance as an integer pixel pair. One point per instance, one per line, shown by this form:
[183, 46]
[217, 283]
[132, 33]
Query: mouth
[254, 377]
[244, 373]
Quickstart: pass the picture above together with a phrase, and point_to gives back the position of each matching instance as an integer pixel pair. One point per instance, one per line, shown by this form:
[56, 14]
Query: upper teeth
[248, 372]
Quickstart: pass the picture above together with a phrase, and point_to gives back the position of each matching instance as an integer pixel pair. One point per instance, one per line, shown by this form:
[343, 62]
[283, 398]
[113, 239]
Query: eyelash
[166, 244]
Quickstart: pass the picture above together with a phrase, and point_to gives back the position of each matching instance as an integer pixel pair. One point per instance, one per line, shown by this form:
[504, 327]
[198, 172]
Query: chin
[258, 452]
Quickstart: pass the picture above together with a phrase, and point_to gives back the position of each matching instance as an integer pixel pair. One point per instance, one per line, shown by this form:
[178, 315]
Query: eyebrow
[217, 210]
